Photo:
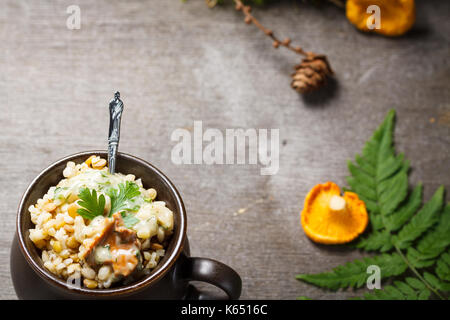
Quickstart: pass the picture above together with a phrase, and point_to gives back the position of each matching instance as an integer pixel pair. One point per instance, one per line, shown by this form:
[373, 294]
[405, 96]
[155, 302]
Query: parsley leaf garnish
[120, 198]
[129, 220]
[92, 205]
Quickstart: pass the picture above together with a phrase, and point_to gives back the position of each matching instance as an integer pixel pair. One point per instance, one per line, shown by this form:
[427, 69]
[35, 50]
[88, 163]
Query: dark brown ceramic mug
[169, 280]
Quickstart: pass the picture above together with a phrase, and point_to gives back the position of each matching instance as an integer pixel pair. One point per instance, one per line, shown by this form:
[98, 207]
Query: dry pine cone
[311, 74]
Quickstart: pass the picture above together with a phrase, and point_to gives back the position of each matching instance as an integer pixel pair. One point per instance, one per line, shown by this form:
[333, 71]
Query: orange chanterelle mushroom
[396, 16]
[330, 218]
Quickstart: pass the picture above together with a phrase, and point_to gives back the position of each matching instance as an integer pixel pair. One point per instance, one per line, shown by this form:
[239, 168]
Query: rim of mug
[178, 237]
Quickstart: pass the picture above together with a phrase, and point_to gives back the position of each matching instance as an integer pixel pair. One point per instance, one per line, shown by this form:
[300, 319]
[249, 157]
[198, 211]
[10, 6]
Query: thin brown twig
[249, 18]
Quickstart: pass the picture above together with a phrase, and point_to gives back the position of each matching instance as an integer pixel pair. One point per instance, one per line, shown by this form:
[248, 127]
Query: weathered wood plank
[178, 62]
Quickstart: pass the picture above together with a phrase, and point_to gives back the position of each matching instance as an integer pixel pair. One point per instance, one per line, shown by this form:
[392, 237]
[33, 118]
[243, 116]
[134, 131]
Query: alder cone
[311, 73]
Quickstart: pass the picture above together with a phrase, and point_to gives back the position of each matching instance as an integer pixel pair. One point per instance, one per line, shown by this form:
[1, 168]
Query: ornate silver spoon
[115, 115]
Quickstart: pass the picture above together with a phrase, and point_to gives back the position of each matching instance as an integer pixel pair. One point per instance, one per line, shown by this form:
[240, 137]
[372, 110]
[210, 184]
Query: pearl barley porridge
[102, 228]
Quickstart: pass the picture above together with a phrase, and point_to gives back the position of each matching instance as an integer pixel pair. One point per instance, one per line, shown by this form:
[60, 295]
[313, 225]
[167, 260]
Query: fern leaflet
[422, 221]
[354, 274]
[411, 289]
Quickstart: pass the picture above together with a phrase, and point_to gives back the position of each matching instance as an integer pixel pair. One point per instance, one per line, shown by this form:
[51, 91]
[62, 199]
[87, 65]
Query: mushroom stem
[337, 204]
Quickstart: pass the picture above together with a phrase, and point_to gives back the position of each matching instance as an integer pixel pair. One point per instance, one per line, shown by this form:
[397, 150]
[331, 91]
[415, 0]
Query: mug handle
[212, 272]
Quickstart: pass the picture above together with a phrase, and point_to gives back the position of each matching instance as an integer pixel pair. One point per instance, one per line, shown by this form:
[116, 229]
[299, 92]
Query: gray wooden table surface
[177, 62]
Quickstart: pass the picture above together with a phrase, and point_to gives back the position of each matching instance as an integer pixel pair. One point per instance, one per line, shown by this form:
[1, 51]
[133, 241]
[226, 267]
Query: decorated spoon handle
[115, 115]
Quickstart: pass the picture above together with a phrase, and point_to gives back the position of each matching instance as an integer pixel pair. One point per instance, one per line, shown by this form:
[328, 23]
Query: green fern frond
[432, 244]
[354, 274]
[418, 234]
[382, 240]
[418, 259]
[401, 291]
[376, 241]
[379, 176]
[443, 267]
[436, 240]
[422, 221]
[437, 283]
[396, 220]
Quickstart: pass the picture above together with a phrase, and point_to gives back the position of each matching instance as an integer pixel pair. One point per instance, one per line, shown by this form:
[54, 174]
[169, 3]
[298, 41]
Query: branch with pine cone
[311, 74]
